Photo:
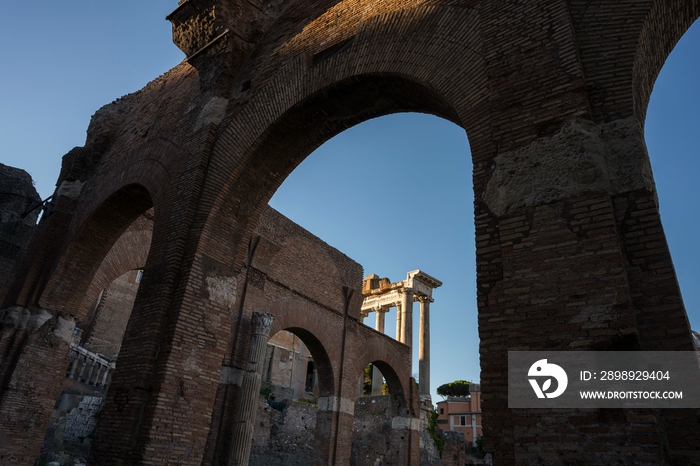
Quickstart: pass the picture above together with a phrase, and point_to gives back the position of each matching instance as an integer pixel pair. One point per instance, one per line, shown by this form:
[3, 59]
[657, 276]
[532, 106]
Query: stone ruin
[570, 248]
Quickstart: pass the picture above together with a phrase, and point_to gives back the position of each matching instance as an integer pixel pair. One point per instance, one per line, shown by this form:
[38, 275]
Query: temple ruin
[382, 295]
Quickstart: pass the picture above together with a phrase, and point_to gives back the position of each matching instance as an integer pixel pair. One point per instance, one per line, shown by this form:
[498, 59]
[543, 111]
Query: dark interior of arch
[322, 362]
[399, 407]
[94, 239]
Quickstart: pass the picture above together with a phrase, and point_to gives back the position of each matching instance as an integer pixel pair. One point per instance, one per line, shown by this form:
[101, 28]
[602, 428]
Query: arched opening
[68, 284]
[101, 320]
[408, 176]
[296, 373]
[305, 126]
[296, 367]
[377, 436]
[672, 118]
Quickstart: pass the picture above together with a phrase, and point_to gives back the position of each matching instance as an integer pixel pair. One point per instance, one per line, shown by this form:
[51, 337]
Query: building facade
[462, 414]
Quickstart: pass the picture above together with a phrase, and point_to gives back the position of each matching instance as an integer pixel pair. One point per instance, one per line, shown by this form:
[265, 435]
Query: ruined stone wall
[285, 437]
[454, 449]
[301, 280]
[17, 197]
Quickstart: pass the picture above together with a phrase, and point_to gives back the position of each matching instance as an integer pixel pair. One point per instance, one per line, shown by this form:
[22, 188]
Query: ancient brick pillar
[333, 435]
[34, 359]
[571, 256]
[404, 449]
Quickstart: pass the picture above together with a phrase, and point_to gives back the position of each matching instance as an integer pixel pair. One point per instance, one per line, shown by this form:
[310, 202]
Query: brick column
[35, 355]
[333, 434]
[250, 389]
[405, 441]
[564, 263]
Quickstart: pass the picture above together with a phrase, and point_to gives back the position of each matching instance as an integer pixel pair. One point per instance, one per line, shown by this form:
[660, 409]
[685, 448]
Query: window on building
[442, 410]
[463, 420]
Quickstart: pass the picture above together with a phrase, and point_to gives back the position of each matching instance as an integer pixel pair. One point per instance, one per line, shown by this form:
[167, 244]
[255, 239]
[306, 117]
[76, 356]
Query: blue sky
[404, 200]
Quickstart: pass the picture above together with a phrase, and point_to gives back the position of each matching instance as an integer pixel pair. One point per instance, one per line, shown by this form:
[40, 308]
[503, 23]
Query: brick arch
[309, 323]
[320, 94]
[70, 279]
[394, 366]
[663, 27]
[128, 253]
[301, 130]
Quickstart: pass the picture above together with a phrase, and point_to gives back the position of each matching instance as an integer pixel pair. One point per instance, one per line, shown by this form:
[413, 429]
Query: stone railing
[88, 368]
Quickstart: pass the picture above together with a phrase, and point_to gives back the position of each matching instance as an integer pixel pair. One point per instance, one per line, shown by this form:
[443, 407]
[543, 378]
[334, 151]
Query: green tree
[456, 388]
[367, 381]
[433, 431]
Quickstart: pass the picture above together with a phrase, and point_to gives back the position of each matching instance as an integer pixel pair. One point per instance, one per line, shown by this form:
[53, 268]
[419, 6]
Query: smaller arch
[397, 392]
[69, 280]
[303, 320]
[324, 367]
[393, 361]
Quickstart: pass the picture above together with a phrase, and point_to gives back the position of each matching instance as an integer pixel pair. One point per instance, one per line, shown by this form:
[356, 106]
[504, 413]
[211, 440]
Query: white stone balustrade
[88, 367]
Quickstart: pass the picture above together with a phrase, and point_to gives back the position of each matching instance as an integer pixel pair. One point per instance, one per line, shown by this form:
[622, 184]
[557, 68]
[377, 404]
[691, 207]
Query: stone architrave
[245, 417]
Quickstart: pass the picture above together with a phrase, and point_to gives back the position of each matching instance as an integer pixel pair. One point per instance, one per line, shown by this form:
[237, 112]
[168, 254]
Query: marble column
[424, 347]
[407, 318]
[399, 328]
[377, 379]
[379, 323]
[245, 417]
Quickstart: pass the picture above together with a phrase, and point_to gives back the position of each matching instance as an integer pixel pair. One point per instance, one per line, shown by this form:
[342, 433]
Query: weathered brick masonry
[570, 249]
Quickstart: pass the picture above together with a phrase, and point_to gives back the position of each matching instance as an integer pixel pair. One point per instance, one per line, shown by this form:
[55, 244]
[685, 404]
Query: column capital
[425, 299]
[261, 323]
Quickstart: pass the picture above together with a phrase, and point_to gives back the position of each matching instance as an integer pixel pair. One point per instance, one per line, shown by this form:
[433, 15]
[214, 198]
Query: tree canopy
[456, 388]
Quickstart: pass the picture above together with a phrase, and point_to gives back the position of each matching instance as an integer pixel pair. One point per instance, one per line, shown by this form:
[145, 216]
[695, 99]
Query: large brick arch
[303, 128]
[308, 103]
